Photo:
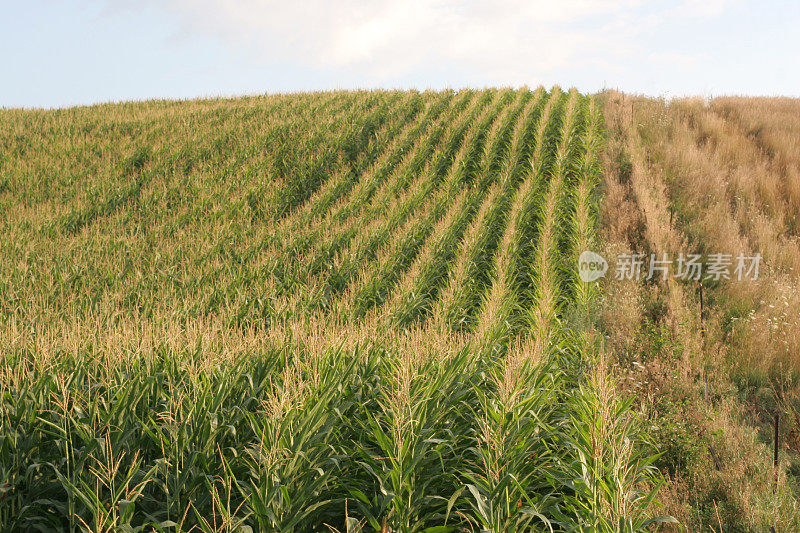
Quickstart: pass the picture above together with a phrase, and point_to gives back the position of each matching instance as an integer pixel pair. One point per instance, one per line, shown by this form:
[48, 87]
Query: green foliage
[195, 331]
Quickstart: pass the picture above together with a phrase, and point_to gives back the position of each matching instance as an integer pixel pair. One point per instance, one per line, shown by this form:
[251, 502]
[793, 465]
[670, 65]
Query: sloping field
[337, 311]
[361, 311]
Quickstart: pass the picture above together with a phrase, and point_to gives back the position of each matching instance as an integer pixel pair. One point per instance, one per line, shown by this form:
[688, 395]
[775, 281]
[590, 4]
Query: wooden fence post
[702, 311]
[775, 451]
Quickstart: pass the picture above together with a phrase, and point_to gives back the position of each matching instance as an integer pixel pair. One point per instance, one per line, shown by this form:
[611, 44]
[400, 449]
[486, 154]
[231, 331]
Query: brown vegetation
[708, 177]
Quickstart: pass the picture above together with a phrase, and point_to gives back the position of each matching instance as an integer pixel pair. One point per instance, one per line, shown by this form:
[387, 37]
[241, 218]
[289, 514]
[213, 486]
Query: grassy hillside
[711, 362]
[346, 311]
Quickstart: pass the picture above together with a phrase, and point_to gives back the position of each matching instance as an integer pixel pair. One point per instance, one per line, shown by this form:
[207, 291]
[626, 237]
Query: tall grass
[697, 178]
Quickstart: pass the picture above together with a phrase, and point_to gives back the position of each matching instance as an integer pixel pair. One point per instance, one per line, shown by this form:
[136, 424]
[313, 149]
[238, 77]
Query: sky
[78, 52]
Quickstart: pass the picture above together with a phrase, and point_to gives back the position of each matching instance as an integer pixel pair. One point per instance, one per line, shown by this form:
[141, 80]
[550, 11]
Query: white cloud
[701, 8]
[505, 41]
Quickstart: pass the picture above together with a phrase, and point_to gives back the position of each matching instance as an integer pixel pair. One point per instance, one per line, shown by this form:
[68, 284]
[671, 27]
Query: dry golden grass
[697, 181]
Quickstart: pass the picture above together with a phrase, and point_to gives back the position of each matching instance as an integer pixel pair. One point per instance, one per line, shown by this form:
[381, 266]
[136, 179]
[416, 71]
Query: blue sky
[62, 53]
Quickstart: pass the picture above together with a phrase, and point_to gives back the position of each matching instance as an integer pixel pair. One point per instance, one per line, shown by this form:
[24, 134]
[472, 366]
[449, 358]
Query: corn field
[342, 311]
